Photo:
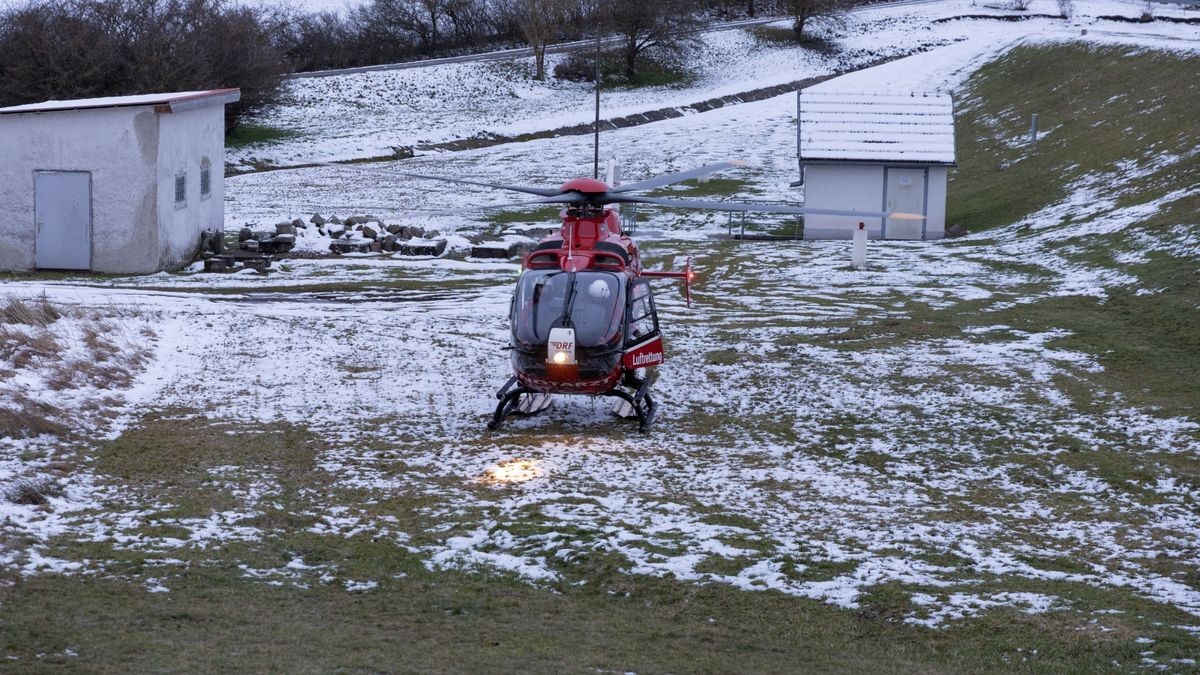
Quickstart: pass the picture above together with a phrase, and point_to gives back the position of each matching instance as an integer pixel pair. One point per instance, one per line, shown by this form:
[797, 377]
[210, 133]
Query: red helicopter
[582, 317]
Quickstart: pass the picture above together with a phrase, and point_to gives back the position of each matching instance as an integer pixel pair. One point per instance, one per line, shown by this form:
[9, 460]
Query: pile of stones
[212, 252]
[283, 241]
[369, 234]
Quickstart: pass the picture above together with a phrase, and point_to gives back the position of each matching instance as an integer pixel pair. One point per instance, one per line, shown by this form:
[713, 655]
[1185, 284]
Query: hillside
[1111, 189]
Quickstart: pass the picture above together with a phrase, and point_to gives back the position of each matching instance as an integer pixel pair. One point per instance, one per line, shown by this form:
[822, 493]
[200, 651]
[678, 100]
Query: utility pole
[596, 125]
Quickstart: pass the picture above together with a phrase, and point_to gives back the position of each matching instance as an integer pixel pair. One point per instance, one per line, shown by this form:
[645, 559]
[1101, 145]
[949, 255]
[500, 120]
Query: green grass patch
[773, 36]
[1097, 106]
[213, 619]
[1102, 110]
[257, 134]
[546, 214]
[696, 189]
[653, 70]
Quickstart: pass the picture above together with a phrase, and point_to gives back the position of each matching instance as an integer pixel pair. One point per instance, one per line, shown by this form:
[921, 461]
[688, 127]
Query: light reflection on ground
[514, 471]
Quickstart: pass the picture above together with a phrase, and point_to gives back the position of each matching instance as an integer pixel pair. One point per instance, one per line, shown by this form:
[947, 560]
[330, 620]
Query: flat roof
[173, 102]
[882, 128]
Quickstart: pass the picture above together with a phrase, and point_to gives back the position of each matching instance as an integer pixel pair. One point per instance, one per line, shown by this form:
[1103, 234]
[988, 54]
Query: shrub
[577, 67]
[63, 49]
[29, 492]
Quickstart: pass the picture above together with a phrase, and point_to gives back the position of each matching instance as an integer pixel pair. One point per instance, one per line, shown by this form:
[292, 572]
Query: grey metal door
[905, 194]
[63, 215]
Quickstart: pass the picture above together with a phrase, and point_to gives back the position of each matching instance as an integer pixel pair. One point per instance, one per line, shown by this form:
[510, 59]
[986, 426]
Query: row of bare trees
[80, 48]
[379, 31]
[62, 49]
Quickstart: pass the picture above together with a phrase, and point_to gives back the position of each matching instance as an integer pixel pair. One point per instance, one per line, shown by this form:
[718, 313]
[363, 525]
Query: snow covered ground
[793, 452]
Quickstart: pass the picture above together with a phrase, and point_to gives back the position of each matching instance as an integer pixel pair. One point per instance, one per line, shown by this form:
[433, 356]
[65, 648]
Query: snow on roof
[176, 102]
[876, 127]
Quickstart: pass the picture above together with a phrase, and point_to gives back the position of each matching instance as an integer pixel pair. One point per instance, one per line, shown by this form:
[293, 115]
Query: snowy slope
[372, 114]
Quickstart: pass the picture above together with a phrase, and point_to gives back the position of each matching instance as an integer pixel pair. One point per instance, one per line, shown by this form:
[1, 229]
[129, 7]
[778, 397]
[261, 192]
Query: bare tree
[421, 19]
[807, 12]
[644, 25]
[539, 22]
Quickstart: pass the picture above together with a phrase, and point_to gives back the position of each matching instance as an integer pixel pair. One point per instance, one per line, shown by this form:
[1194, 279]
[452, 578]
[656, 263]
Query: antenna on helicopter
[596, 123]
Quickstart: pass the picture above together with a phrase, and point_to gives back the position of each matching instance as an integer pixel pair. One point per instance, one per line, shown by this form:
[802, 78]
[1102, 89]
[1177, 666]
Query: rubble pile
[369, 234]
[212, 252]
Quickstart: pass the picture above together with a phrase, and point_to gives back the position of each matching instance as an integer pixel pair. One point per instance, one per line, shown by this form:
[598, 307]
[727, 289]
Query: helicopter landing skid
[512, 401]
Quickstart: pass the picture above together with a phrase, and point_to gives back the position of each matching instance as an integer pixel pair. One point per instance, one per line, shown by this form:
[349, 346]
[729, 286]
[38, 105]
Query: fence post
[858, 257]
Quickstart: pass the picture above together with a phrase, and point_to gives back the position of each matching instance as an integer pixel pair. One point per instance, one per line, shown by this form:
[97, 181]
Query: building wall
[935, 223]
[186, 139]
[844, 186]
[119, 147]
[841, 186]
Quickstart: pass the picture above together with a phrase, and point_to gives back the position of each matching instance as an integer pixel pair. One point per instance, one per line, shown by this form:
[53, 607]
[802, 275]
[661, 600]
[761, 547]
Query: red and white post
[858, 257]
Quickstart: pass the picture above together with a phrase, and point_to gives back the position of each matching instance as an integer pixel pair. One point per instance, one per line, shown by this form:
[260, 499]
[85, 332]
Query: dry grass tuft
[95, 337]
[24, 417]
[30, 492]
[38, 312]
[22, 348]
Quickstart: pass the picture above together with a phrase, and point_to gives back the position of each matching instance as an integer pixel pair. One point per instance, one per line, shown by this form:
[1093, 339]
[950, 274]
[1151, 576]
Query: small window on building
[205, 179]
[180, 190]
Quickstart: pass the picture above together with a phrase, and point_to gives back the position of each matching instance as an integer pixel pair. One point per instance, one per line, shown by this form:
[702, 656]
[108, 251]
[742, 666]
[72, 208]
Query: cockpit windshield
[593, 303]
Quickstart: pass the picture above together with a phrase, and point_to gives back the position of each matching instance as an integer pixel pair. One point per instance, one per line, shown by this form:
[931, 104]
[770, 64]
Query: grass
[38, 312]
[1102, 106]
[546, 214]
[1097, 106]
[712, 188]
[451, 622]
[33, 492]
[785, 36]
[23, 417]
[176, 469]
[257, 134]
[218, 617]
[653, 70]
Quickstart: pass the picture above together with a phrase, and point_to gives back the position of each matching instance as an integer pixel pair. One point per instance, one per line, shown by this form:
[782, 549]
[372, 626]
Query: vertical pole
[1033, 128]
[612, 177]
[596, 139]
[858, 258]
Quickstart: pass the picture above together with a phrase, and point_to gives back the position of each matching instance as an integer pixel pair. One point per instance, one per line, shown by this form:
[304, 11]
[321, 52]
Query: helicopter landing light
[560, 348]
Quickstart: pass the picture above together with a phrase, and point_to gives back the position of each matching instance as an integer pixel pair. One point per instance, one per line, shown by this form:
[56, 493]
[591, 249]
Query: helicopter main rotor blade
[671, 178]
[541, 192]
[557, 199]
[573, 198]
[765, 208]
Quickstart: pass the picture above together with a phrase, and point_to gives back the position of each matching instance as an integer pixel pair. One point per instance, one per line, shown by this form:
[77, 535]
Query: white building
[877, 152]
[123, 184]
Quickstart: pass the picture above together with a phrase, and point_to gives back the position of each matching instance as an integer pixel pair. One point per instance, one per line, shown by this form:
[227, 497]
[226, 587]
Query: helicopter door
[643, 340]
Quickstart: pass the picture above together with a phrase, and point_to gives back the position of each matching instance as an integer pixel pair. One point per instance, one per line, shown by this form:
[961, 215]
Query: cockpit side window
[643, 319]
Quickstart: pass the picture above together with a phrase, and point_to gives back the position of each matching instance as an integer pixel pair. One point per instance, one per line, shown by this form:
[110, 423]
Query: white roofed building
[122, 184]
[875, 152]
